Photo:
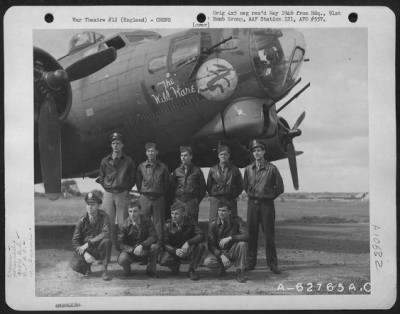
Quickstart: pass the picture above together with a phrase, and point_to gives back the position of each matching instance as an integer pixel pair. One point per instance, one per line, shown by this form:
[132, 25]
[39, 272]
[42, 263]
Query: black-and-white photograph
[204, 137]
[235, 158]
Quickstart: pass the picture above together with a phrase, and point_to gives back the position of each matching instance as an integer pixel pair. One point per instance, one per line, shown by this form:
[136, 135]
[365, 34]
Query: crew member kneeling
[137, 240]
[182, 240]
[227, 242]
[91, 240]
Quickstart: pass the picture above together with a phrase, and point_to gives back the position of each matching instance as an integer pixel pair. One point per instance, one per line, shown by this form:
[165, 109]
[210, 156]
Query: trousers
[100, 252]
[236, 254]
[261, 212]
[194, 256]
[125, 259]
[191, 207]
[154, 208]
[116, 207]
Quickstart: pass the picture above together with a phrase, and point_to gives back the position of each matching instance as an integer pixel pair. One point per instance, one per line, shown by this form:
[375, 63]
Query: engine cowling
[45, 74]
[243, 118]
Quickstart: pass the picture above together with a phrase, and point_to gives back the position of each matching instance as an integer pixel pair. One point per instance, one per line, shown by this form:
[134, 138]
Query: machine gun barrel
[209, 50]
[293, 97]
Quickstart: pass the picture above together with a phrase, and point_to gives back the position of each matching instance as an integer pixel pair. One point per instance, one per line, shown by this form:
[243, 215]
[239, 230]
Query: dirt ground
[56, 279]
[314, 259]
[323, 248]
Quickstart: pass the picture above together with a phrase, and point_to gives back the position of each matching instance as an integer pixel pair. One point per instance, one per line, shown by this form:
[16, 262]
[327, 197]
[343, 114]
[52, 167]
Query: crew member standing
[188, 183]
[152, 180]
[224, 183]
[117, 176]
[263, 183]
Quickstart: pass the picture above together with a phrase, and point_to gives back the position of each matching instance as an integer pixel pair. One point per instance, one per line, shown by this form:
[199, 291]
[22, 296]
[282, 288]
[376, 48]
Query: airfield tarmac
[323, 248]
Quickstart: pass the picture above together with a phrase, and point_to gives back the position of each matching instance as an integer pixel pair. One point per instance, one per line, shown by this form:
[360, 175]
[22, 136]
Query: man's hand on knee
[225, 261]
[88, 258]
[81, 249]
[224, 241]
[138, 251]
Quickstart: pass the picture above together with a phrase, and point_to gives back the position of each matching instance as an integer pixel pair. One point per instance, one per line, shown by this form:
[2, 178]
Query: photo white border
[19, 23]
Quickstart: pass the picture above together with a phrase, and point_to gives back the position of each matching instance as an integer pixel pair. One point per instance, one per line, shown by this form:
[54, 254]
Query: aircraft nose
[277, 57]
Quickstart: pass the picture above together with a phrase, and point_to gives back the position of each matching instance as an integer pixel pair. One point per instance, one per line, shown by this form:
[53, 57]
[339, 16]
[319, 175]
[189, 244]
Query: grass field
[67, 211]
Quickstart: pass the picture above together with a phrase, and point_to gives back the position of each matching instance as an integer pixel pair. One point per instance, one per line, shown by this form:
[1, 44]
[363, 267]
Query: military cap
[92, 197]
[255, 144]
[187, 149]
[134, 203]
[223, 148]
[178, 205]
[149, 145]
[223, 203]
[116, 136]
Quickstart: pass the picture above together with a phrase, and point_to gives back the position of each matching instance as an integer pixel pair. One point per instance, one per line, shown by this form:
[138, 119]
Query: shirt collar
[109, 157]
[148, 164]
[118, 156]
[189, 166]
[227, 165]
[87, 217]
[222, 222]
[178, 225]
[133, 223]
[263, 164]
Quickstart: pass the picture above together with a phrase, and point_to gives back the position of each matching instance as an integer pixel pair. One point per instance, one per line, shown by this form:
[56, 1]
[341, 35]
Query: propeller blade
[91, 64]
[299, 120]
[50, 147]
[293, 164]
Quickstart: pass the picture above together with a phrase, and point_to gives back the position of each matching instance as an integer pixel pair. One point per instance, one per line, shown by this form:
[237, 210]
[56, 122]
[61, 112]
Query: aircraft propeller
[291, 152]
[51, 81]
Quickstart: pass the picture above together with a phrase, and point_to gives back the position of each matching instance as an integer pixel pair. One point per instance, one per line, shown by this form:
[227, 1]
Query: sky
[335, 131]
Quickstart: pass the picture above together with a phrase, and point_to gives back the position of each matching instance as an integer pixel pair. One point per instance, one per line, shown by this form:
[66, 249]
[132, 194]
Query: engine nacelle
[243, 118]
[45, 65]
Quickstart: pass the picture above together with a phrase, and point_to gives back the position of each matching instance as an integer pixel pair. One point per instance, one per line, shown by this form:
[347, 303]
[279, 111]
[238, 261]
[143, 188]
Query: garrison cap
[223, 203]
[117, 136]
[187, 149]
[92, 197]
[149, 145]
[134, 203]
[178, 205]
[223, 148]
[255, 144]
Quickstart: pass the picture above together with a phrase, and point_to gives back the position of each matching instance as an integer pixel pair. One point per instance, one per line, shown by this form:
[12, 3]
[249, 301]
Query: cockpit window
[277, 58]
[139, 36]
[83, 40]
[157, 63]
[98, 37]
[296, 63]
[185, 51]
[116, 42]
[230, 45]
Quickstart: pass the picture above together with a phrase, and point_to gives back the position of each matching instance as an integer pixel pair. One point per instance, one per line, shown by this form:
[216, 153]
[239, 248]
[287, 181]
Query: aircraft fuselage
[163, 90]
